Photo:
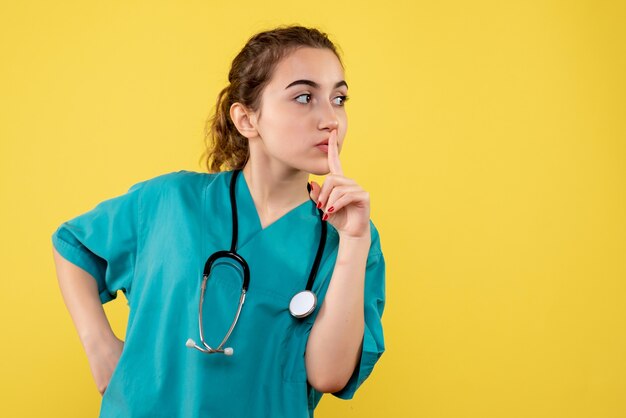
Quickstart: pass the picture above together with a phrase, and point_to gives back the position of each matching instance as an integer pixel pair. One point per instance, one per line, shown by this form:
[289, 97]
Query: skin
[283, 134]
[282, 139]
[80, 293]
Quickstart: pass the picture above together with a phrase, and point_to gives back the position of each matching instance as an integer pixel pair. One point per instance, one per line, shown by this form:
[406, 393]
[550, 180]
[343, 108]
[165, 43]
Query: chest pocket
[265, 330]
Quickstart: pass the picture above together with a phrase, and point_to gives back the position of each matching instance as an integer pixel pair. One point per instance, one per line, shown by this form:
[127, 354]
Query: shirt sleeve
[103, 242]
[373, 340]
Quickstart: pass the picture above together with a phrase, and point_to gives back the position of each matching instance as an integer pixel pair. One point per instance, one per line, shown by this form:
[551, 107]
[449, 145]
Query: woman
[281, 118]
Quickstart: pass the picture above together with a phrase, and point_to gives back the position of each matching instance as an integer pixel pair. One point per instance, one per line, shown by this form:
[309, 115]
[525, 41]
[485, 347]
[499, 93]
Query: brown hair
[251, 70]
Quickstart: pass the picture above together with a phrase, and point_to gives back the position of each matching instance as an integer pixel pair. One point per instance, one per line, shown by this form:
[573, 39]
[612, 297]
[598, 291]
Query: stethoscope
[301, 305]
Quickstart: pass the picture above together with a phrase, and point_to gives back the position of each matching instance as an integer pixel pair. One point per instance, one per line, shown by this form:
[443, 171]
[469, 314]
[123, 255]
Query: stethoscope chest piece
[302, 304]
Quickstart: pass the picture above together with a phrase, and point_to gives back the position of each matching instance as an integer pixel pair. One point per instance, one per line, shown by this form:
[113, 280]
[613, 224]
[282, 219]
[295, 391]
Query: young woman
[251, 291]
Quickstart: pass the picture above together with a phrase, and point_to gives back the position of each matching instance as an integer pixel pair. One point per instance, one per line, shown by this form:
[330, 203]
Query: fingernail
[319, 204]
[325, 217]
[308, 186]
[330, 209]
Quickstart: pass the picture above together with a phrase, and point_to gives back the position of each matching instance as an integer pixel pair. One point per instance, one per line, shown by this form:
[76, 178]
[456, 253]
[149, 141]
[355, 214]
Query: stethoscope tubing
[232, 253]
[219, 349]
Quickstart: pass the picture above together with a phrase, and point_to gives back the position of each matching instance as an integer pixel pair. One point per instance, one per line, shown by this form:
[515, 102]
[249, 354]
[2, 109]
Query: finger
[334, 164]
[315, 191]
[357, 198]
[332, 181]
[337, 193]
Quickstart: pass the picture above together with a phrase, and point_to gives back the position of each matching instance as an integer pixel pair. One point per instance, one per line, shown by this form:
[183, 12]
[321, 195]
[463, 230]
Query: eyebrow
[314, 84]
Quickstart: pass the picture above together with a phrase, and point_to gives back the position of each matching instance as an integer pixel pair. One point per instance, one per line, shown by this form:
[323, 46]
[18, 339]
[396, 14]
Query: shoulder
[171, 189]
[179, 178]
[175, 181]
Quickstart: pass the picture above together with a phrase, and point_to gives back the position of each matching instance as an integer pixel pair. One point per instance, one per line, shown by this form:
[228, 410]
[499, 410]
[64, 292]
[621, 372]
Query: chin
[316, 165]
[318, 170]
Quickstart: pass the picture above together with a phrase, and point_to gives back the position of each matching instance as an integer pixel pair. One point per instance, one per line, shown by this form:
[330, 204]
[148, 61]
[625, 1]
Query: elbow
[328, 384]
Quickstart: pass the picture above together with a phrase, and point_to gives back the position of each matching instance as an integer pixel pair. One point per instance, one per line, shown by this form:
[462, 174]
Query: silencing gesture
[345, 204]
[334, 345]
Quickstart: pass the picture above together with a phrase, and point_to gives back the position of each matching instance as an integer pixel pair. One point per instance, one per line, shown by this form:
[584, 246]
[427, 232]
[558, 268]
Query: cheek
[294, 126]
[286, 130]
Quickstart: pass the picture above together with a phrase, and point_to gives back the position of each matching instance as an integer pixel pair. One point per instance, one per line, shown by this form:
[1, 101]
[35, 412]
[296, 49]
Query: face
[300, 106]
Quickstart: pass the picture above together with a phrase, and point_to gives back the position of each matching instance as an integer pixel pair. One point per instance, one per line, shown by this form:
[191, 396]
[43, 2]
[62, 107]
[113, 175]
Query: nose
[328, 118]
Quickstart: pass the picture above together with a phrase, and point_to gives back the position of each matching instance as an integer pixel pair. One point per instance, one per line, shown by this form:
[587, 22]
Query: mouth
[323, 145]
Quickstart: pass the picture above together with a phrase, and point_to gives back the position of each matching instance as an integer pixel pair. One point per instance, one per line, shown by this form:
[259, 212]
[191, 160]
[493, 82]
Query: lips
[322, 146]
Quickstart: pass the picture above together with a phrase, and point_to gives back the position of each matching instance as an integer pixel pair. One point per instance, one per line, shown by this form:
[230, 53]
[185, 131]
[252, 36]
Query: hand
[103, 358]
[345, 204]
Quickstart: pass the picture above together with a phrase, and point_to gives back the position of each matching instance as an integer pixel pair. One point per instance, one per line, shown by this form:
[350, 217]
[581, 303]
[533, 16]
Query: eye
[340, 100]
[307, 98]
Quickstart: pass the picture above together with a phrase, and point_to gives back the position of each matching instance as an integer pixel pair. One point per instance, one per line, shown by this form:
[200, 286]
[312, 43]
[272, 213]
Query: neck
[275, 189]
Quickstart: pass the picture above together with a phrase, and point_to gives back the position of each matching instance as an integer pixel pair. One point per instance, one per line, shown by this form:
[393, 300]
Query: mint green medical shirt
[152, 243]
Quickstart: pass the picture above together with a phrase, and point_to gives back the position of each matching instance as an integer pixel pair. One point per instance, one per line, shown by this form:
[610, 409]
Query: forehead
[317, 64]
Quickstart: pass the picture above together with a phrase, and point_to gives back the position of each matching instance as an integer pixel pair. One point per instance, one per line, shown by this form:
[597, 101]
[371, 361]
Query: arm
[80, 293]
[334, 346]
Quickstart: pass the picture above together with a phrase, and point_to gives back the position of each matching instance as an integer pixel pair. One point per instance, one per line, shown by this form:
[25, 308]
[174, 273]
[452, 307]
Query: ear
[244, 120]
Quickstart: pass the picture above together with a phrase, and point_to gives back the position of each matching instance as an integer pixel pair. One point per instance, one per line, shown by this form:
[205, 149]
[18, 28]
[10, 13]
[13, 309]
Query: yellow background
[490, 134]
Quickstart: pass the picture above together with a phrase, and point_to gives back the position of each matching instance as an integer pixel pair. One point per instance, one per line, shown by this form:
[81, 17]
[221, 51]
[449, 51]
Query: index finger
[333, 154]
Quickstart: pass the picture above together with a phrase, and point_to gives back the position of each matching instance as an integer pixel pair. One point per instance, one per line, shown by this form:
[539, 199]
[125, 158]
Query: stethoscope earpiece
[228, 351]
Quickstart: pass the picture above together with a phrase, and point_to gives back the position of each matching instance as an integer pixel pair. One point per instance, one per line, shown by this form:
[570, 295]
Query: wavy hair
[250, 72]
